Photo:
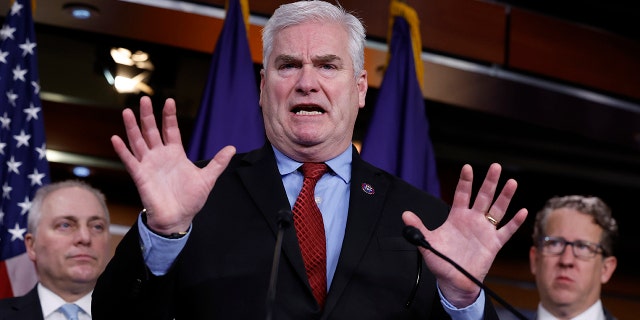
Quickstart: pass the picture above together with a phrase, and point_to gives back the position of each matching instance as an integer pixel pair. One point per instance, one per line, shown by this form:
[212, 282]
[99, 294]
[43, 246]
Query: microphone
[413, 235]
[285, 219]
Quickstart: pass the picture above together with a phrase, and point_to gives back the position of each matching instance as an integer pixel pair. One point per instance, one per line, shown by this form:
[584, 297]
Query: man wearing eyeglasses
[572, 257]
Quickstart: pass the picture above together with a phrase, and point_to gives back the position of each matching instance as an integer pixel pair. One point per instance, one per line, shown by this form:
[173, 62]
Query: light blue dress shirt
[159, 252]
[333, 185]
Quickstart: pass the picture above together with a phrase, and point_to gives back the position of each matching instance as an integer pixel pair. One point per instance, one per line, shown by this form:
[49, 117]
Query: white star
[22, 139]
[36, 87]
[2, 145]
[26, 205]
[13, 165]
[3, 56]
[5, 120]
[36, 177]
[17, 232]
[27, 47]
[6, 190]
[12, 97]
[7, 32]
[18, 73]
[15, 8]
[32, 112]
[42, 151]
[1, 217]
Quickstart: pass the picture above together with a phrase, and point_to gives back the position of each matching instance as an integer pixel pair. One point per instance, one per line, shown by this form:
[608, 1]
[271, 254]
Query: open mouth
[308, 110]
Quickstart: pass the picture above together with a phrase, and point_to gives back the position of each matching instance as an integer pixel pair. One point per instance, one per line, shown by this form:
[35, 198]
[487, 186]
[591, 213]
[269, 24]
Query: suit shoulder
[402, 187]
[399, 195]
[18, 305]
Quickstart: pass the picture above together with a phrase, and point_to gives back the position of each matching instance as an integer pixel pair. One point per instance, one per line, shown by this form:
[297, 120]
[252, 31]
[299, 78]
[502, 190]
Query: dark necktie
[310, 231]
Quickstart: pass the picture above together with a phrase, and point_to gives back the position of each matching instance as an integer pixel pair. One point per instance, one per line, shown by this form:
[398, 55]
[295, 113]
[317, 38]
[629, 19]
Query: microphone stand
[285, 218]
[414, 236]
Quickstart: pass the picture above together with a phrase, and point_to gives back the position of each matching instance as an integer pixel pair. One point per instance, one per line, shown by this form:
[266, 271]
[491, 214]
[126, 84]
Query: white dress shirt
[51, 302]
[595, 312]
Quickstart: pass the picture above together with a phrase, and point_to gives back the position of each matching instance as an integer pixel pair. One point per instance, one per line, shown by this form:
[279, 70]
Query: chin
[84, 276]
[564, 298]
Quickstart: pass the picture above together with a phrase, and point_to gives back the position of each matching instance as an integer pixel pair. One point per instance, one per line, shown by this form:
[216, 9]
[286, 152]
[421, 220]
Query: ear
[363, 85]
[262, 74]
[533, 260]
[609, 265]
[29, 242]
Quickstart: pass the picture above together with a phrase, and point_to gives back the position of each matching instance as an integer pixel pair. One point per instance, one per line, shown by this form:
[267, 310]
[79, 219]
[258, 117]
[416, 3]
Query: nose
[307, 81]
[567, 257]
[83, 235]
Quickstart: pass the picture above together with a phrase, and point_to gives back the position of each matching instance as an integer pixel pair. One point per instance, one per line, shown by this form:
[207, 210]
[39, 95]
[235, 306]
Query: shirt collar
[50, 302]
[595, 312]
[340, 165]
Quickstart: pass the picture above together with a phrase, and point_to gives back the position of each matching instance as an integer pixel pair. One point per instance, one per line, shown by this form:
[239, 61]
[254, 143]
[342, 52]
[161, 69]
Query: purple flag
[397, 139]
[22, 146]
[229, 113]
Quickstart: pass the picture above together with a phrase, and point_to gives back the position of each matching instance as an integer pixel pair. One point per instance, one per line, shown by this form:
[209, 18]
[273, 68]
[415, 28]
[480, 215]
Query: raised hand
[469, 236]
[172, 189]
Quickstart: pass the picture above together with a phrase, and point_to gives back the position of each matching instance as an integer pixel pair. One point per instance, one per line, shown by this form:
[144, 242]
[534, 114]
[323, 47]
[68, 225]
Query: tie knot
[313, 170]
[70, 310]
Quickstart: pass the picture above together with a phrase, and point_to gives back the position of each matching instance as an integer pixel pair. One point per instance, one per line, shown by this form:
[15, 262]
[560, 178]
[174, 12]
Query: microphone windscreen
[285, 218]
[414, 236]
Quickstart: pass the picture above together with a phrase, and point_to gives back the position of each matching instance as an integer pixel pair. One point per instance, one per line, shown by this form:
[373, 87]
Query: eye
[328, 67]
[286, 66]
[64, 225]
[328, 70]
[99, 227]
[554, 243]
[582, 246]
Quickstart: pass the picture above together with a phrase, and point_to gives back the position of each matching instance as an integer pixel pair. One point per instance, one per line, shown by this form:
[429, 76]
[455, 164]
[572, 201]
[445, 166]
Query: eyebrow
[285, 58]
[328, 58]
[90, 219]
[97, 218]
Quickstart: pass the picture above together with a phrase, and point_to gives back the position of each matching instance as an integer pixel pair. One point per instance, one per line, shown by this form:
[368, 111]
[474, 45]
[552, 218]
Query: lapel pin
[367, 188]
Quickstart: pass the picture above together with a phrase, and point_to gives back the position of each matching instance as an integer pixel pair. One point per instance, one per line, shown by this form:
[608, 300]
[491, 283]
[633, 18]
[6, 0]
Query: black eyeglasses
[581, 249]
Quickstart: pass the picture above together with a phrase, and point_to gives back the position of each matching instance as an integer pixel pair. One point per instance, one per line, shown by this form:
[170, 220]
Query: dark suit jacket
[223, 271]
[25, 307]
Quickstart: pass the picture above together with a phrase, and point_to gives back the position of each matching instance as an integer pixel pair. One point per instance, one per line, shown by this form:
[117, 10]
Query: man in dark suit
[68, 240]
[204, 245]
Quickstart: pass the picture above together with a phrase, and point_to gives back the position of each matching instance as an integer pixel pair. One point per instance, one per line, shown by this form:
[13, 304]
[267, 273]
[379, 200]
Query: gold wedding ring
[491, 219]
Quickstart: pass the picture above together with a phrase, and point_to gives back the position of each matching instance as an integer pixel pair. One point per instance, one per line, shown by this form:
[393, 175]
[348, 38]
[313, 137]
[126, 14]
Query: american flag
[24, 166]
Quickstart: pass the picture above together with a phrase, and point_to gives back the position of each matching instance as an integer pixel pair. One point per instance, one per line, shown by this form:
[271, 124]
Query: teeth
[304, 112]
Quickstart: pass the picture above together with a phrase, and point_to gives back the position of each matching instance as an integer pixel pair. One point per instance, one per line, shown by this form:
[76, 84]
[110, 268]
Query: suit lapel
[260, 176]
[368, 190]
[28, 306]
[259, 173]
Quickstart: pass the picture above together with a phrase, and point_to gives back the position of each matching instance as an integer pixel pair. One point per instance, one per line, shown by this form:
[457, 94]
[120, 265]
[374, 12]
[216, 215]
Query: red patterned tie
[310, 231]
